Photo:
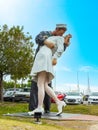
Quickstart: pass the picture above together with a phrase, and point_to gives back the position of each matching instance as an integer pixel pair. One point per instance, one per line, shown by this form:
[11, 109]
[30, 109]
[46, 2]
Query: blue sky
[81, 17]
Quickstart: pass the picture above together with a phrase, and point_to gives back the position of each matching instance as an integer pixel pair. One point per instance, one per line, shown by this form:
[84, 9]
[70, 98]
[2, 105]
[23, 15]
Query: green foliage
[11, 84]
[16, 53]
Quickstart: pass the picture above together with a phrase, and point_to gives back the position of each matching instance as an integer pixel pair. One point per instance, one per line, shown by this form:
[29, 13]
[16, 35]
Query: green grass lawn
[12, 107]
[81, 109]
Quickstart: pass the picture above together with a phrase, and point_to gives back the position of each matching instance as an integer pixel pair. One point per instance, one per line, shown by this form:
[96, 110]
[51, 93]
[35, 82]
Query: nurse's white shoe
[36, 110]
[60, 106]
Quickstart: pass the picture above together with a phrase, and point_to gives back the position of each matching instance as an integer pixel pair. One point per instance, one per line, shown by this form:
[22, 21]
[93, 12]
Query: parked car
[73, 98]
[24, 95]
[10, 94]
[60, 96]
[93, 98]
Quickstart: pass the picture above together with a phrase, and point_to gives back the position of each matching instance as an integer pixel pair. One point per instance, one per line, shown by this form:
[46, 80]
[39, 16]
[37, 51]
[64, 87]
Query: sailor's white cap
[61, 26]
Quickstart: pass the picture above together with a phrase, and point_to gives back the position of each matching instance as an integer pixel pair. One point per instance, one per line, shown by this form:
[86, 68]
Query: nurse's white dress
[43, 60]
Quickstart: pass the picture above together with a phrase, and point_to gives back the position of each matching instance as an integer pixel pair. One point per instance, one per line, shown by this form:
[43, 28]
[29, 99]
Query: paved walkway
[84, 117]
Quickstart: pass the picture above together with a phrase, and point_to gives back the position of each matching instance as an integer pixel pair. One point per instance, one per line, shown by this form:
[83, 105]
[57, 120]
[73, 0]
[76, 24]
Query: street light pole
[78, 83]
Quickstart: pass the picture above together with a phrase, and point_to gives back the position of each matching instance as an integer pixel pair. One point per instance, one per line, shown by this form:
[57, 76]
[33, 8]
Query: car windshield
[14, 89]
[26, 90]
[94, 94]
[73, 94]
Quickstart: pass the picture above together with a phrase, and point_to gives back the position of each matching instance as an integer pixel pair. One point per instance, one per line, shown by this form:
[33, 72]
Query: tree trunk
[1, 87]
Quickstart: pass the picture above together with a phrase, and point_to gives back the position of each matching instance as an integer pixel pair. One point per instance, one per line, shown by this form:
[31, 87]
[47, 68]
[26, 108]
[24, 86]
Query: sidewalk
[84, 117]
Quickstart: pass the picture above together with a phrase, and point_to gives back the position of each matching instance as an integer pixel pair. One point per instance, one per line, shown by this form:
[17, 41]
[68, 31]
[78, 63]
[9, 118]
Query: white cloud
[73, 87]
[62, 68]
[88, 69]
[85, 68]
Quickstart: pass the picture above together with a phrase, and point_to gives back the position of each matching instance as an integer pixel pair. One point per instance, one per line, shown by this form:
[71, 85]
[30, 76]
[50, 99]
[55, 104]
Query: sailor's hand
[54, 61]
[67, 39]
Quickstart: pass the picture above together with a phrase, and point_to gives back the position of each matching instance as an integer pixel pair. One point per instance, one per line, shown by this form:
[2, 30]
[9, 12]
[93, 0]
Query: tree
[16, 54]
[10, 84]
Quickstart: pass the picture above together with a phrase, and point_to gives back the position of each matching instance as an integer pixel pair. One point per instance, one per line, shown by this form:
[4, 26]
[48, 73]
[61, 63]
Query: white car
[24, 95]
[93, 98]
[73, 98]
[10, 94]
